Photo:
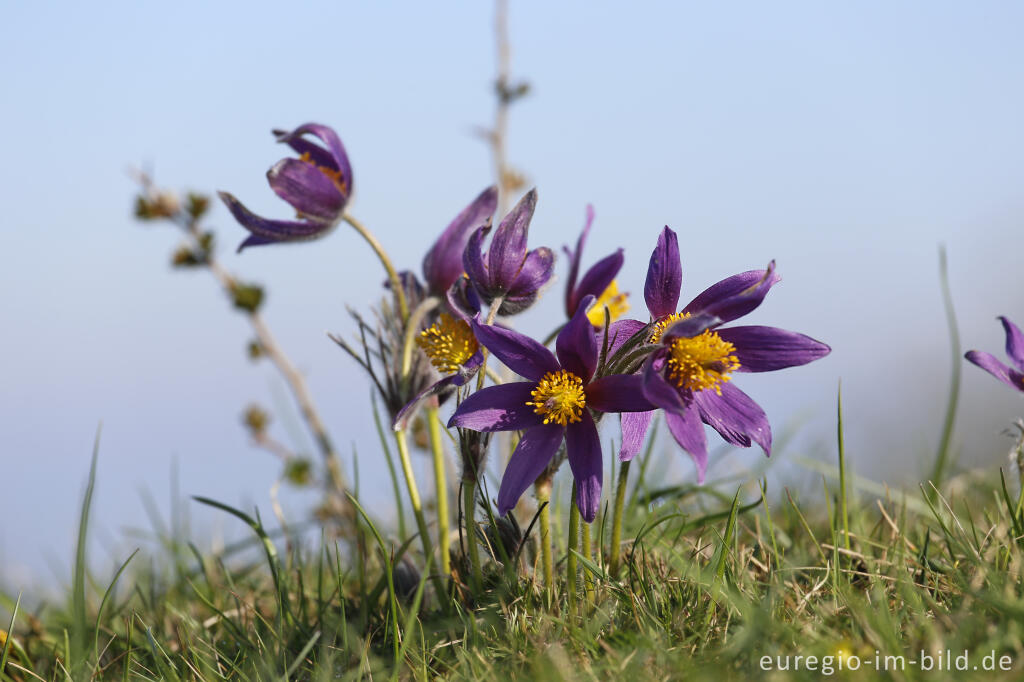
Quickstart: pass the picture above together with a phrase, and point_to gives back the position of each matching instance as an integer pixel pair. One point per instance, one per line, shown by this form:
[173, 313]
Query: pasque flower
[318, 185]
[689, 372]
[1011, 376]
[442, 265]
[552, 405]
[598, 281]
[509, 271]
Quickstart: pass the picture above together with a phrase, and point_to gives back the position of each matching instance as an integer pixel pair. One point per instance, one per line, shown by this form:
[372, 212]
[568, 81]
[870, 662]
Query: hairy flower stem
[620, 503]
[441, 482]
[542, 488]
[491, 314]
[417, 506]
[469, 510]
[574, 537]
[396, 283]
[588, 553]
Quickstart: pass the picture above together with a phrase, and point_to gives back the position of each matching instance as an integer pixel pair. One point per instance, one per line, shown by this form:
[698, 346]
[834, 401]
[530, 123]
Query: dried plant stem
[542, 488]
[499, 133]
[396, 282]
[574, 537]
[296, 382]
[620, 503]
[417, 506]
[441, 483]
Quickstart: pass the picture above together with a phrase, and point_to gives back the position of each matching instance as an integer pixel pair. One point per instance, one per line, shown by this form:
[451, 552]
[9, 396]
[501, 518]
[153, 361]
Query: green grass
[709, 583]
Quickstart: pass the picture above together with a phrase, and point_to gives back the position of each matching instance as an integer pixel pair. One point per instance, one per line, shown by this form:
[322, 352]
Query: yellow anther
[701, 362]
[664, 323]
[559, 398]
[610, 298]
[334, 175]
[449, 343]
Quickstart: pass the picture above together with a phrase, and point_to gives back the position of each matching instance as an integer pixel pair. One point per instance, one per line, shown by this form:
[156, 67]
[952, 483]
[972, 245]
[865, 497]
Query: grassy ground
[708, 586]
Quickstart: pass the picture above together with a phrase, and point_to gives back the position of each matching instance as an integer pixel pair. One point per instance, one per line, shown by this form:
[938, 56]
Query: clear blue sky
[845, 140]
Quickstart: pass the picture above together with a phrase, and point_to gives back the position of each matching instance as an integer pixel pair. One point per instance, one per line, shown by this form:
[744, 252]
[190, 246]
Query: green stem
[417, 505]
[588, 552]
[945, 441]
[412, 330]
[469, 509]
[441, 482]
[842, 468]
[396, 283]
[542, 489]
[574, 536]
[620, 503]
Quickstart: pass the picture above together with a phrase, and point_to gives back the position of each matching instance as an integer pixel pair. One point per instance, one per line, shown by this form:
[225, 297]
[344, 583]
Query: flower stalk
[441, 482]
[396, 283]
[417, 506]
[620, 503]
[574, 537]
[588, 552]
[542, 489]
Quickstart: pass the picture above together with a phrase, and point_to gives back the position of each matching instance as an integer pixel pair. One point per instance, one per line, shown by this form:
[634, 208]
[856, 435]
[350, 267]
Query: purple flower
[553, 404]
[509, 271]
[598, 281]
[688, 374]
[1014, 350]
[442, 265]
[318, 185]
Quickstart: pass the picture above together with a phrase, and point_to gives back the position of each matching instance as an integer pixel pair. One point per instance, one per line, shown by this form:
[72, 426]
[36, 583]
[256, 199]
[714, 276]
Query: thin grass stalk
[945, 441]
[573, 545]
[842, 469]
[441, 483]
[382, 256]
[620, 503]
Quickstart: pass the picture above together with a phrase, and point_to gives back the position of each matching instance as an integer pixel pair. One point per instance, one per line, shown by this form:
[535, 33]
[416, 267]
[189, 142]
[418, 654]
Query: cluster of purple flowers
[680, 361]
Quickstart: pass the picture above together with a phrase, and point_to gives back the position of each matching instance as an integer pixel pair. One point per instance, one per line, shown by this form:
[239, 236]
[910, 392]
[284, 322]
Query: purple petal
[688, 431]
[634, 428]
[272, 230]
[443, 263]
[334, 147]
[535, 273]
[764, 349]
[498, 408]
[735, 296]
[535, 450]
[253, 240]
[576, 344]
[656, 389]
[462, 299]
[583, 446]
[401, 419]
[596, 280]
[664, 276]
[521, 354]
[689, 327]
[473, 261]
[621, 331]
[1014, 343]
[508, 247]
[574, 263]
[307, 189]
[736, 417]
[990, 364]
[618, 393]
[317, 154]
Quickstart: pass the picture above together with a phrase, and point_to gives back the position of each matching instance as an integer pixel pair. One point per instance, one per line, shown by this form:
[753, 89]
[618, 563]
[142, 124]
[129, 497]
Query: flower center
[610, 298]
[449, 343]
[664, 323]
[701, 362]
[334, 175]
[559, 398]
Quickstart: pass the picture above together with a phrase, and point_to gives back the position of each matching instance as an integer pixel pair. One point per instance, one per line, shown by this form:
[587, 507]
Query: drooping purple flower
[689, 372]
[552, 405]
[318, 185]
[509, 271]
[598, 281]
[1011, 376]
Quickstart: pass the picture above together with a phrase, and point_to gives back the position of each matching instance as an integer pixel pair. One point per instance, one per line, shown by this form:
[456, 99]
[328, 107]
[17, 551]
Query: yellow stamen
[449, 343]
[701, 362]
[334, 175]
[610, 298]
[559, 398]
[664, 323]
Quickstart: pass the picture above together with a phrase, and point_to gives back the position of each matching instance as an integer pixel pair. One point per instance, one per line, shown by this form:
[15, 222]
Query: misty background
[845, 141]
